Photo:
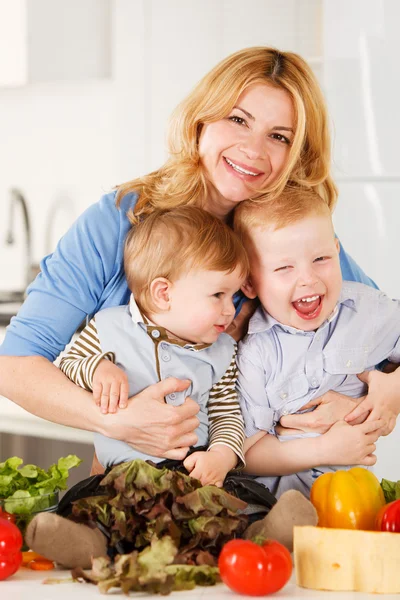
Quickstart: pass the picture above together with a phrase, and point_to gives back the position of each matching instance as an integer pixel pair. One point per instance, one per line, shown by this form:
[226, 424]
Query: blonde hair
[181, 180]
[170, 243]
[293, 205]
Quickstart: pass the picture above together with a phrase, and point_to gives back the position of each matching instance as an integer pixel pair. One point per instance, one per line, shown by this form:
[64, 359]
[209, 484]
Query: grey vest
[138, 351]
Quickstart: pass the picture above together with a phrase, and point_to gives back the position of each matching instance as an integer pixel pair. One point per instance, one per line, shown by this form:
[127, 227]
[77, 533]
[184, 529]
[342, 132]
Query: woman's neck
[218, 206]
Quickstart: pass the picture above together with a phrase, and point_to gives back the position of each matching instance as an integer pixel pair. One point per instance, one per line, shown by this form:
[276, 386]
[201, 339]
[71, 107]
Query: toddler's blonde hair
[294, 204]
[170, 243]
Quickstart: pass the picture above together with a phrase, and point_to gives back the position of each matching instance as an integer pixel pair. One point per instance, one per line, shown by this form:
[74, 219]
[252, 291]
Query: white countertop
[28, 584]
[16, 420]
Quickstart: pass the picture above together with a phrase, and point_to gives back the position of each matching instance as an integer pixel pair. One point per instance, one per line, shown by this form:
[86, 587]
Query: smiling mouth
[308, 307]
[241, 169]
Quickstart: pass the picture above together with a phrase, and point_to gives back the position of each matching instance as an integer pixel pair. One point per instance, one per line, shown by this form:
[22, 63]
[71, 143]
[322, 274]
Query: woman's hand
[154, 427]
[345, 445]
[330, 408]
[238, 328]
[382, 400]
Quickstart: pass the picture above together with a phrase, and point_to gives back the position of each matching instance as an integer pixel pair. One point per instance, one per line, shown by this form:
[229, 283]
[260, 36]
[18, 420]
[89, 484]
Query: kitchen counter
[16, 420]
[28, 584]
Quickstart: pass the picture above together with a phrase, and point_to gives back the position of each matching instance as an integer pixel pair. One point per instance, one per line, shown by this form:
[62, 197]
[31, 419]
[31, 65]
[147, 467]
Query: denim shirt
[282, 368]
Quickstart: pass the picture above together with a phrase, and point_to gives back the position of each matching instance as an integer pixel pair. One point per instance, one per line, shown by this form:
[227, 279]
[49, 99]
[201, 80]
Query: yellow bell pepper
[347, 499]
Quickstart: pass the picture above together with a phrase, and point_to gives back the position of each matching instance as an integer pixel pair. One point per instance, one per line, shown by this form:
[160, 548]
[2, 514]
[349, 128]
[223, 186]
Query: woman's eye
[285, 268]
[237, 119]
[219, 294]
[322, 258]
[281, 138]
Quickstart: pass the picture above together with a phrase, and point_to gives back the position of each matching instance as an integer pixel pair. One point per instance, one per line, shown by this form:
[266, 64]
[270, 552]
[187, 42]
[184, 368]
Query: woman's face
[248, 148]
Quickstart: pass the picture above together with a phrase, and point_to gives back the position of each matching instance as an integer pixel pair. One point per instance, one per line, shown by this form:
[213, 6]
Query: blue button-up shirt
[282, 368]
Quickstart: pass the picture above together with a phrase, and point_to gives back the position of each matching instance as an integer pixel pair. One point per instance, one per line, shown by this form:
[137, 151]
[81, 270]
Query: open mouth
[308, 307]
[220, 328]
[241, 170]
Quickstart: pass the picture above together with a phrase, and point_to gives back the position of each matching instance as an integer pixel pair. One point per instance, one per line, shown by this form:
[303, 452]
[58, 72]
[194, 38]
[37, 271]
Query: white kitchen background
[86, 88]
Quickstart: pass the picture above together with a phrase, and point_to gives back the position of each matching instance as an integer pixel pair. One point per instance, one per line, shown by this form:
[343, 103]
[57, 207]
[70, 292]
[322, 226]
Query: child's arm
[341, 445]
[94, 370]
[226, 433]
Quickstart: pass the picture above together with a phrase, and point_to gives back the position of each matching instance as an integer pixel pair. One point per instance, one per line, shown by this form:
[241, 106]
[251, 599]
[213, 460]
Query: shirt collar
[139, 318]
[136, 314]
[262, 321]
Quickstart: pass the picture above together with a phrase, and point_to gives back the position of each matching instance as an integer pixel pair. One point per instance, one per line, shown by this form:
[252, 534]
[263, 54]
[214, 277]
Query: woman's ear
[160, 289]
[248, 289]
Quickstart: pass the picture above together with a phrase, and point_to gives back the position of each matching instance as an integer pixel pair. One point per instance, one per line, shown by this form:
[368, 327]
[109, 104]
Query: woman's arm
[148, 423]
[351, 271]
[84, 274]
[341, 445]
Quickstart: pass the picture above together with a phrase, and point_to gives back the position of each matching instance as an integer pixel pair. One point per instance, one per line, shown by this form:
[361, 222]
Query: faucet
[16, 196]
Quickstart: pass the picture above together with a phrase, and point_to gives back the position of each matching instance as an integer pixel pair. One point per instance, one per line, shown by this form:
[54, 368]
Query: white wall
[362, 84]
[66, 143]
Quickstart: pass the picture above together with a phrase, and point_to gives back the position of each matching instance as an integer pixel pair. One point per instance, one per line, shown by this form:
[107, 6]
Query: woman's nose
[254, 147]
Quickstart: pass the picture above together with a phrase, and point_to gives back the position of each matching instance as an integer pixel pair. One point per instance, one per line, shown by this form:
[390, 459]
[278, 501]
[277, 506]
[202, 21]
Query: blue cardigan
[84, 275]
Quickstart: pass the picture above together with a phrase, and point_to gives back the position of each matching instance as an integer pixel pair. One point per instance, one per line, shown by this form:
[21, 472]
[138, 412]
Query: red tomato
[10, 548]
[388, 517]
[253, 569]
[6, 515]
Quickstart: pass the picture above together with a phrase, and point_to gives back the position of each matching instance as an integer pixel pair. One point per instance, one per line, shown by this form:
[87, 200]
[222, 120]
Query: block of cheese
[347, 559]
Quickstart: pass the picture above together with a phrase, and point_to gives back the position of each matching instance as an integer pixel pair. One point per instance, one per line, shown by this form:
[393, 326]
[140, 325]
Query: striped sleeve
[225, 418]
[82, 359]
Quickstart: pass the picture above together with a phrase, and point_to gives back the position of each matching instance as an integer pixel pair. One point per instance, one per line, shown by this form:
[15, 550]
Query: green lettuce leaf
[391, 489]
[175, 527]
[28, 489]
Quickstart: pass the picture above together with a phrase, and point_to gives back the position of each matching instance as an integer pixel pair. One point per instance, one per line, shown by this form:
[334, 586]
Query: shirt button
[283, 395]
[285, 412]
[314, 382]
[166, 357]
[349, 363]
[155, 333]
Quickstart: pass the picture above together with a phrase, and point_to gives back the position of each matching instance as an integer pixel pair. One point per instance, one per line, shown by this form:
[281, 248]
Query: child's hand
[383, 399]
[344, 444]
[212, 466]
[110, 387]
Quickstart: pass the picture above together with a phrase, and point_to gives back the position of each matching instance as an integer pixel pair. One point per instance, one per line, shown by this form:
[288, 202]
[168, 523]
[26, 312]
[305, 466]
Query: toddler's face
[201, 305]
[296, 271]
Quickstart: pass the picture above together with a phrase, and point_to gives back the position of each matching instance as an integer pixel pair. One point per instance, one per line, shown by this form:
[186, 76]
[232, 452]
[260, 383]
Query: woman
[257, 120]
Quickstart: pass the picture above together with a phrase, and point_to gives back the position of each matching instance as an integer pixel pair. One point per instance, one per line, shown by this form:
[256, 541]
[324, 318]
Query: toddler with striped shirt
[183, 267]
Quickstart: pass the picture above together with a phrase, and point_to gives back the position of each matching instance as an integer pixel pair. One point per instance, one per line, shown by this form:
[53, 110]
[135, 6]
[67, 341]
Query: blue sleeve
[351, 271]
[73, 280]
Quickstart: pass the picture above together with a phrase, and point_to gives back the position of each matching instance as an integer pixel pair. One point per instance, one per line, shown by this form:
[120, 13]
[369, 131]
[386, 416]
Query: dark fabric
[236, 483]
[83, 489]
[240, 485]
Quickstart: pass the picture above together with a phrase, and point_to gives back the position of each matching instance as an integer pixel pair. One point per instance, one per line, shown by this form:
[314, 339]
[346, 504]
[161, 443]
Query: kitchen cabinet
[54, 40]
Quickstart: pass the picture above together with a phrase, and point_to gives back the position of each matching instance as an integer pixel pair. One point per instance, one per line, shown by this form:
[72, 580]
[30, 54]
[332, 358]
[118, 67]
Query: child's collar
[156, 332]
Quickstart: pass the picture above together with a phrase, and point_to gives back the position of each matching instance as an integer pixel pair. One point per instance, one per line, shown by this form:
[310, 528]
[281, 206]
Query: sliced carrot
[41, 565]
[31, 555]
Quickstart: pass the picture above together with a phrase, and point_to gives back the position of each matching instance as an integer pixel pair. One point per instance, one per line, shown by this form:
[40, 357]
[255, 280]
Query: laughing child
[312, 333]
